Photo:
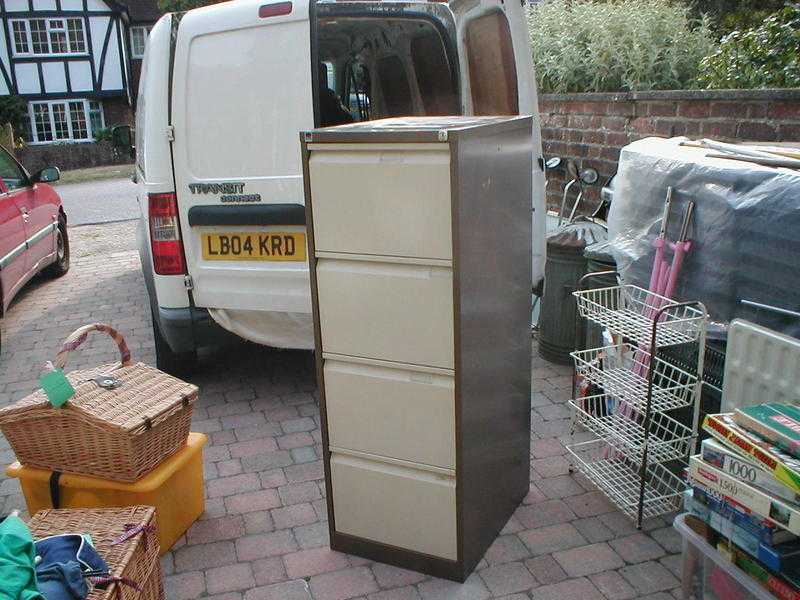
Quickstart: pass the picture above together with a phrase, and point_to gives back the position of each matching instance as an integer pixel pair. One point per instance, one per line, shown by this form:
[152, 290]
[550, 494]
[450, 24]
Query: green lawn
[96, 173]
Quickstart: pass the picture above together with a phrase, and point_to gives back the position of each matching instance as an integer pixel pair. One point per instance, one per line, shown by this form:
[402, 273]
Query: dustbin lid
[577, 236]
[600, 252]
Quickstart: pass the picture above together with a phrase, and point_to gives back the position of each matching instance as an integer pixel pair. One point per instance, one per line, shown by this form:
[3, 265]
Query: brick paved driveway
[264, 536]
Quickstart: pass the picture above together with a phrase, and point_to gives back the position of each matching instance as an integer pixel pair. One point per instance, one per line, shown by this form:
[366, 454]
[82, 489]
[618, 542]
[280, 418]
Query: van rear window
[383, 67]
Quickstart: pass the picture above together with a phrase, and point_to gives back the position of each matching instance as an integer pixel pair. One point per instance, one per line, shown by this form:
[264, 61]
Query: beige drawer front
[396, 312]
[395, 505]
[363, 199]
[398, 413]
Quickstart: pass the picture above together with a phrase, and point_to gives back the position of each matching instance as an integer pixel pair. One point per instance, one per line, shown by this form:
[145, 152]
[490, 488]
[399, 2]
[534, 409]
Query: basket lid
[144, 397]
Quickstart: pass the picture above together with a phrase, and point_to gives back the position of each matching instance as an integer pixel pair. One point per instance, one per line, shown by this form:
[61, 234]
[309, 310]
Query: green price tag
[57, 387]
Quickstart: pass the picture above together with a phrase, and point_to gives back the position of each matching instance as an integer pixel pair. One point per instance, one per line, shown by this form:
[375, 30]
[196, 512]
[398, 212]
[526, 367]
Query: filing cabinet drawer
[393, 505]
[390, 202]
[399, 413]
[396, 312]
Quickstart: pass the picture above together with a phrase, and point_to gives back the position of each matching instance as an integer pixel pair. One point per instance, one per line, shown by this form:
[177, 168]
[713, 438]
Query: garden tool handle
[77, 337]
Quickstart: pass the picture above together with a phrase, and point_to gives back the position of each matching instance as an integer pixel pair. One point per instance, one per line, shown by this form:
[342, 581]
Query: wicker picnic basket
[126, 539]
[122, 422]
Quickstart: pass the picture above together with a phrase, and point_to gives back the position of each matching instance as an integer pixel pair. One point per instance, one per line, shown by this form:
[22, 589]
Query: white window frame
[48, 29]
[138, 28]
[66, 102]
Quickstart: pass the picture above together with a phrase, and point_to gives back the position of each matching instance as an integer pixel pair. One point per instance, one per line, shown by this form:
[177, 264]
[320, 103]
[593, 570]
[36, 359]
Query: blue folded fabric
[64, 562]
[62, 581]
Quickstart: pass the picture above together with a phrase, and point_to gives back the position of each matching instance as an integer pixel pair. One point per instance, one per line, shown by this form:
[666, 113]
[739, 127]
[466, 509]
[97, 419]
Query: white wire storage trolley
[627, 396]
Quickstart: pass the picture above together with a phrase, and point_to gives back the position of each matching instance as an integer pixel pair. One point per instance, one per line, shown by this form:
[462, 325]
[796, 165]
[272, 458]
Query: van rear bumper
[190, 328]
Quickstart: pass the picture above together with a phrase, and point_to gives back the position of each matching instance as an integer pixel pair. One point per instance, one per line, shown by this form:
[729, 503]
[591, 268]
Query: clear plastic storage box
[709, 575]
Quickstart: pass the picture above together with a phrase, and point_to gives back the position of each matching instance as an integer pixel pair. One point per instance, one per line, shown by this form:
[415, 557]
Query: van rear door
[241, 92]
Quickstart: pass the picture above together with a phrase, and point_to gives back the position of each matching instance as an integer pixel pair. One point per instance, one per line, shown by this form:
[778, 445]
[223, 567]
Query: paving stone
[269, 570]
[252, 501]
[230, 578]
[613, 585]
[344, 584]
[552, 539]
[649, 577]
[571, 589]
[511, 526]
[264, 545]
[506, 548]
[204, 556]
[272, 479]
[185, 586]
[305, 472]
[295, 440]
[312, 536]
[587, 560]
[389, 576]
[507, 578]
[552, 466]
[545, 569]
[589, 504]
[561, 487]
[290, 590]
[637, 548]
[549, 512]
[307, 563]
[593, 529]
[225, 596]
[253, 447]
[258, 522]
[673, 563]
[247, 420]
[668, 538]
[296, 425]
[214, 530]
[306, 454]
[226, 468]
[546, 448]
[253, 432]
[534, 495]
[268, 461]
[294, 516]
[295, 493]
[404, 593]
[228, 486]
[441, 589]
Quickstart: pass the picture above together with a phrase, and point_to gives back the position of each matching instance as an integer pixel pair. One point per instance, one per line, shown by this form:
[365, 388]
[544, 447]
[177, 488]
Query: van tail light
[165, 235]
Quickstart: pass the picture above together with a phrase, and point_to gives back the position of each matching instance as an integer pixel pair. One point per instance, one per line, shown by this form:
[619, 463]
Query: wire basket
[122, 422]
[630, 311]
[620, 480]
[125, 538]
[623, 426]
[626, 377]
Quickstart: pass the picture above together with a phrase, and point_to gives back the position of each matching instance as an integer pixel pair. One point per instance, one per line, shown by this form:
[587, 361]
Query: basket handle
[77, 337]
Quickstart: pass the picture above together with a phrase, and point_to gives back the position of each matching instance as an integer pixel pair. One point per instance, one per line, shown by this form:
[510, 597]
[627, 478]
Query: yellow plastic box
[175, 488]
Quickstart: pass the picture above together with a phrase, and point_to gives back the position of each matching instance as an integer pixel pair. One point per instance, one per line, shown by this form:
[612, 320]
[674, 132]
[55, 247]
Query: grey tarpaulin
[746, 229]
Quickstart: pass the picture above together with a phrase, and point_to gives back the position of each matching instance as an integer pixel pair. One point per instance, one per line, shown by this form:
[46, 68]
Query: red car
[33, 227]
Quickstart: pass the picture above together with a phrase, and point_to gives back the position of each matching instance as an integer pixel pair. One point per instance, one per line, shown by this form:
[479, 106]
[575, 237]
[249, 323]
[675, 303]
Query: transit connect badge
[232, 191]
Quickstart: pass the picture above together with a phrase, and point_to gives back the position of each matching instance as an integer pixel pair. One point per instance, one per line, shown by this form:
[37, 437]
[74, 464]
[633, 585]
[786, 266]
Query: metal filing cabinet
[420, 258]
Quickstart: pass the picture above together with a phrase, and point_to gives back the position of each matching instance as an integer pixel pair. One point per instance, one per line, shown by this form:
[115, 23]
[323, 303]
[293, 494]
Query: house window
[41, 37]
[65, 120]
[20, 37]
[139, 35]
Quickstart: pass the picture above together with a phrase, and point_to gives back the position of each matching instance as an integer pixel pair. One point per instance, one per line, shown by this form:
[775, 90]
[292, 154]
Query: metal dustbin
[563, 270]
[598, 260]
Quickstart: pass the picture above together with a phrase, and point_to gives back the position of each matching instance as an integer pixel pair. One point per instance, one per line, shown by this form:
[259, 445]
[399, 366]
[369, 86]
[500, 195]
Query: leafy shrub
[730, 15]
[761, 57]
[13, 110]
[102, 134]
[607, 46]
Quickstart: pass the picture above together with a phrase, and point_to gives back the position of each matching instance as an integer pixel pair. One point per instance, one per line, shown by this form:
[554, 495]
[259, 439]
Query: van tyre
[61, 264]
[174, 363]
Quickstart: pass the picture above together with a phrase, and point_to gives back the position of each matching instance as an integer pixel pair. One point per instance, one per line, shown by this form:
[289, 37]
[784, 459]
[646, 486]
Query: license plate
[254, 246]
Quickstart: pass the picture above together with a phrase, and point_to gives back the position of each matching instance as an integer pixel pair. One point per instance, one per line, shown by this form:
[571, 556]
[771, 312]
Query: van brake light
[165, 235]
[274, 10]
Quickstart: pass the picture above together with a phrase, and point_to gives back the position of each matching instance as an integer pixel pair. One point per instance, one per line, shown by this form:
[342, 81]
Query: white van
[225, 91]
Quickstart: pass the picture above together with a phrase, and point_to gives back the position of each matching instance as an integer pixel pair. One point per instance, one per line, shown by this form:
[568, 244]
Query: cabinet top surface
[412, 129]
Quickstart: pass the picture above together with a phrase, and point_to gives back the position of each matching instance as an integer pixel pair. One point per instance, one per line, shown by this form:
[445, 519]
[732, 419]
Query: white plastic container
[709, 575]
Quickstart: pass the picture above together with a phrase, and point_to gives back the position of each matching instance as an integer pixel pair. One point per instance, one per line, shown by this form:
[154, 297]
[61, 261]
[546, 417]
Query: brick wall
[70, 156]
[592, 128]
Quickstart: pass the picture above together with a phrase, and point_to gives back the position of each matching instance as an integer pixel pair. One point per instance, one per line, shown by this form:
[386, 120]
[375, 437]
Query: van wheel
[174, 363]
[61, 265]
